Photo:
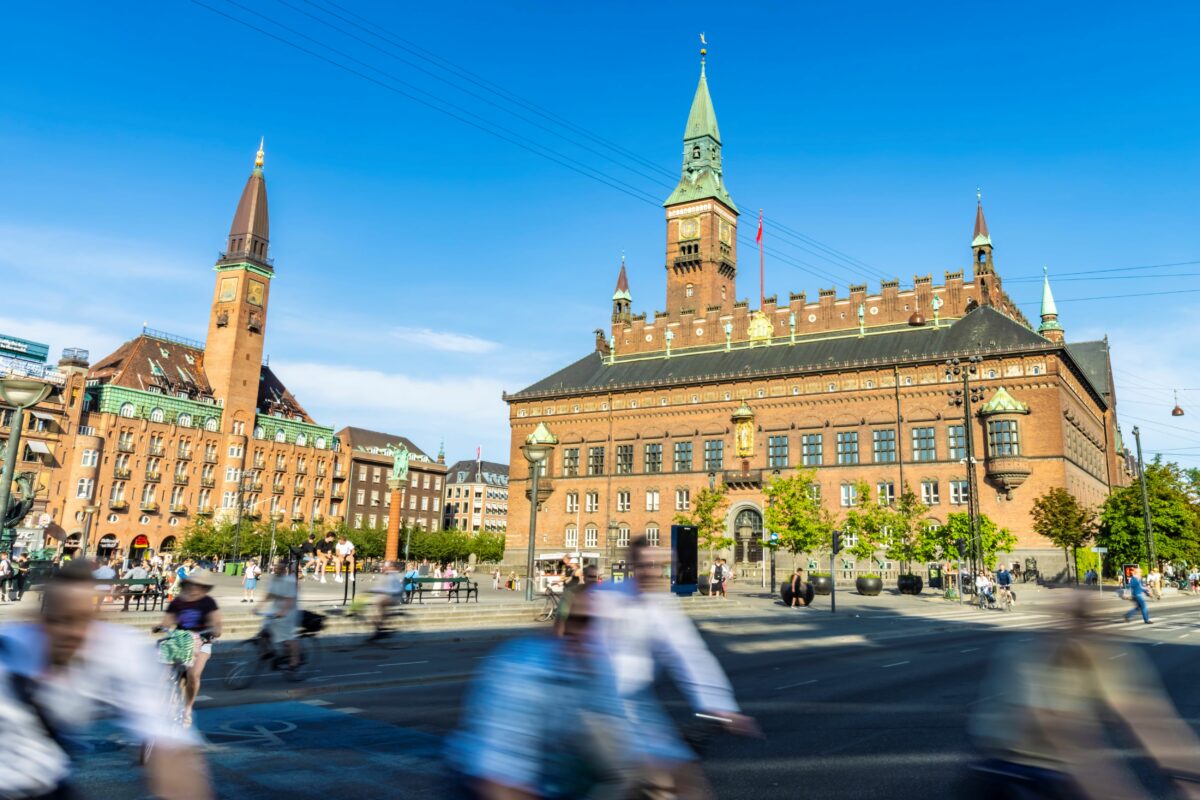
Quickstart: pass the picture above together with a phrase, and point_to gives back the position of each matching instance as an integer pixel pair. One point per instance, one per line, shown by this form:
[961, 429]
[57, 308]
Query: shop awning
[38, 447]
[42, 415]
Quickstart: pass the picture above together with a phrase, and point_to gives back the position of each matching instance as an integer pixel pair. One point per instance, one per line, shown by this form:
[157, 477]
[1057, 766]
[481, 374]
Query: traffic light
[837, 542]
[961, 546]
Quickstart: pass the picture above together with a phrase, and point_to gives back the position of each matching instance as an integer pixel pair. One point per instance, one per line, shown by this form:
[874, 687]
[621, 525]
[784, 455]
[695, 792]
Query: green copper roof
[1003, 403]
[701, 177]
[1049, 309]
[702, 121]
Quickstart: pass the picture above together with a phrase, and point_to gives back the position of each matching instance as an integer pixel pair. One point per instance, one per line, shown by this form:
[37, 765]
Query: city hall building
[712, 392]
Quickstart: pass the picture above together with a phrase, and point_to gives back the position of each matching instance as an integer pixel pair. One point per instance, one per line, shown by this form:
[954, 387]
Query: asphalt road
[874, 700]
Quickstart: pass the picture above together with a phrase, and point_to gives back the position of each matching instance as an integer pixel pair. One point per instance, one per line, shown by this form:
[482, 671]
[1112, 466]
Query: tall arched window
[210, 424]
[127, 410]
[301, 439]
[157, 415]
[185, 420]
[280, 436]
[572, 537]
[652, 534]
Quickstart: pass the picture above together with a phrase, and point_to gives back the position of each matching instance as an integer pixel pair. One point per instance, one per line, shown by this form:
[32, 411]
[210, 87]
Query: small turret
[622, 301]
[1050, 327]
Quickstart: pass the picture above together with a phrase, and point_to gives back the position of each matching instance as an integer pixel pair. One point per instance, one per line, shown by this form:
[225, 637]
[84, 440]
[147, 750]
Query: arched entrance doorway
[168, 545]
[748, 533]
[106, 547]
[139, 549]
[71, 545]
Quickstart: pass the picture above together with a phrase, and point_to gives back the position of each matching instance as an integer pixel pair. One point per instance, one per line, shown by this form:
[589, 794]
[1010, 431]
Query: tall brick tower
[234, 348]
[701, 218]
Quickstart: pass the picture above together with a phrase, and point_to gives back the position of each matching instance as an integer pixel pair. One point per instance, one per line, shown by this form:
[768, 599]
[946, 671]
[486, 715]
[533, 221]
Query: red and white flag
[758, 236]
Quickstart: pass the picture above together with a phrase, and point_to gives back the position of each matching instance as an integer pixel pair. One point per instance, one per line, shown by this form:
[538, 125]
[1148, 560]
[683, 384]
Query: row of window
[186, 420]
[683, 501]
[360, 498]
[382, 474]
[1002, 440]
[885, 493]
[591, 535]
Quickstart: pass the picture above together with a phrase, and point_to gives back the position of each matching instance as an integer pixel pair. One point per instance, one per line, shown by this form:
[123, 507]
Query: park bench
[451, 587]
[149, 597]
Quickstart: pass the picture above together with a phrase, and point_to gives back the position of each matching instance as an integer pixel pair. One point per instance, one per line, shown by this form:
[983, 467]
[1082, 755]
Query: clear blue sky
[423, 265]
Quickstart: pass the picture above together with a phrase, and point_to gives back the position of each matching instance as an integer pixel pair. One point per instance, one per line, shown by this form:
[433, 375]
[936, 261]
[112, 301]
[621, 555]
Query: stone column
[391, 549]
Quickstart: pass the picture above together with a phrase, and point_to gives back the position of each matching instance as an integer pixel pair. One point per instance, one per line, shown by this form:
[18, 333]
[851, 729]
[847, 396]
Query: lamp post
[20, 393]
[89, 512]
[1149, 526]
[536, 449]
[237, 534]
[613, 528]
[964, 397]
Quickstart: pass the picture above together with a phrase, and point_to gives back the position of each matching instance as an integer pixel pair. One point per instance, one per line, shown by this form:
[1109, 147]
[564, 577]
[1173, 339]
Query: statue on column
[400, 456]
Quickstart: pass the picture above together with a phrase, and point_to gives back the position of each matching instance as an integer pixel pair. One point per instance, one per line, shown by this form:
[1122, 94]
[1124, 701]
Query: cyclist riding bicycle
[284, 616]
[391, 593]
[983, 586]
[193, 610]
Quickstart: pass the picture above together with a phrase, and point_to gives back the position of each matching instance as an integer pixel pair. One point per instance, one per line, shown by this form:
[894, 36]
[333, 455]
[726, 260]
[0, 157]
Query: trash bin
[935, 577]
[234, 568]
[619, 572]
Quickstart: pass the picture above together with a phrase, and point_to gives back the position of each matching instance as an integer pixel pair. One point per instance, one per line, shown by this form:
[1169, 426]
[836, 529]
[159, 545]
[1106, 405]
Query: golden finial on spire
[258, 159]
[703, 50]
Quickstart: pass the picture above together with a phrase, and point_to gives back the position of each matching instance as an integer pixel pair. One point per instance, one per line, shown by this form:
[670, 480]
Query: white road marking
[316, 702]
[403, 663]
[969, 650]
[346, 675]
[350, 710]
[794, 685]
[897, 664]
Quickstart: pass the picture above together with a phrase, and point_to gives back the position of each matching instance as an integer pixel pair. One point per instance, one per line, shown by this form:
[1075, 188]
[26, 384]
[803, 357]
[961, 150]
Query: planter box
[909, 584]
[785, 592]
[868, 587]
[822, 584]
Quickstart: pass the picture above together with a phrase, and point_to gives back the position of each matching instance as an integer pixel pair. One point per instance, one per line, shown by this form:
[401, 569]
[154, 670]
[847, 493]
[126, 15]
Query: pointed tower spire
[1050, 327]
[250, 232]
[622, 300]
[701, 150]
[981, 231]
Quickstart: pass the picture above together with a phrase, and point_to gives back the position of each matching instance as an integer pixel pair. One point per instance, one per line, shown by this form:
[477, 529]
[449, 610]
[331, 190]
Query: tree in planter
[865, 524]
[1061, 518]
[708, 516]
[909, 541]
[796, 514]
[958, 526]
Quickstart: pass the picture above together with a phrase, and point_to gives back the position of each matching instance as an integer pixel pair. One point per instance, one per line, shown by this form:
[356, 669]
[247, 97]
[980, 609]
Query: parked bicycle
[549, 609]
[260, 654]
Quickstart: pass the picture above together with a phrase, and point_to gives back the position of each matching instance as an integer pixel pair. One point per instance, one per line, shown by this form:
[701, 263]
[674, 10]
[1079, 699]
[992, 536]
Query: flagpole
[762, 291]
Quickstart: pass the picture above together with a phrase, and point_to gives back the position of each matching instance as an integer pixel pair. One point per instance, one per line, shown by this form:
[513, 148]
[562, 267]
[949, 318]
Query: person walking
[726, 577]
[250, 580]
[496, 579]
[6, 575]
[798, 591]
[1137, 593]
[20, 575]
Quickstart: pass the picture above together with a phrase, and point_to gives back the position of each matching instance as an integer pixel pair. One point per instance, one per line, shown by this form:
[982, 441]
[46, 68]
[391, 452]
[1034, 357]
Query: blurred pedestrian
[250, 576]
[1136, 592]
[20, 575]
[283, 593]
[6, 575]
[57, 678]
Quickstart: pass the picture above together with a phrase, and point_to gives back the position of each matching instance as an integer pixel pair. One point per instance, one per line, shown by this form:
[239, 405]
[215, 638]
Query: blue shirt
[1136, 589]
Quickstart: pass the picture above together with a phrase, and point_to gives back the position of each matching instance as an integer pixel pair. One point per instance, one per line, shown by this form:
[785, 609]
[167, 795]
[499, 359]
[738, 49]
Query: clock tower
[234, 348]
[701, 218]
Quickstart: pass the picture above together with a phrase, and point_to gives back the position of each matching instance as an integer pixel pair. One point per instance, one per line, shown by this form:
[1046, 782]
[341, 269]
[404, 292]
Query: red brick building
[710, 392]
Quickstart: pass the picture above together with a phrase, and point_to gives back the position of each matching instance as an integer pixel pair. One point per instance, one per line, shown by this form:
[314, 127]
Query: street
[875, 699]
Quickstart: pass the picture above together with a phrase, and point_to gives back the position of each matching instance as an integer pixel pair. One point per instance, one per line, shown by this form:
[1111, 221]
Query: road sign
[1099, 549]
[774, 537]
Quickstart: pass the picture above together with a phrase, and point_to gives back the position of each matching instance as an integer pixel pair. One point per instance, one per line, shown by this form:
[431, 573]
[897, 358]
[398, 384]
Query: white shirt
[982, 582]
[345, 548]
[115, 664]
[631, 631]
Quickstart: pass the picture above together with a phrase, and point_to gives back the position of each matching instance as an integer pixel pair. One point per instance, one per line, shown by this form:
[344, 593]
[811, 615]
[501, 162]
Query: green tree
[866, 524]
[795, 512]
[1174, 517]
[1061, 518]
[958, 526]
[488, 547]
[708, 515]
[909, 541]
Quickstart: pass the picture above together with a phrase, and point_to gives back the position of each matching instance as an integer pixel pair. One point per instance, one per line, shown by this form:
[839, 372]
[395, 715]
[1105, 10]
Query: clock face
[689, 228]
[726, 232]
[255, 294]
[228, 290]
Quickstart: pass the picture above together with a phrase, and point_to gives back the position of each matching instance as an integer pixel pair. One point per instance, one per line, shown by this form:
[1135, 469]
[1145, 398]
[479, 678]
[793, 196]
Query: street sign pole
[1100, 551]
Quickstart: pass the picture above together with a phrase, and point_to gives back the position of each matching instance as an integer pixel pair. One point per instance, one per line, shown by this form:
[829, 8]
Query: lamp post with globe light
[537, 448]
[20, 393]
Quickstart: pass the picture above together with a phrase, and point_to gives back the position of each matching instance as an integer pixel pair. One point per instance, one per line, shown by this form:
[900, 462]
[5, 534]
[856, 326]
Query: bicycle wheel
[245, 664]
[549, 610]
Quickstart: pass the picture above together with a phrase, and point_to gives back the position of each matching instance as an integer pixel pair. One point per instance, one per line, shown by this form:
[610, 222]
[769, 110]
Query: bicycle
[260, 653]
[364, 622]
[549, 610]
[176, 650]
[1005, 598]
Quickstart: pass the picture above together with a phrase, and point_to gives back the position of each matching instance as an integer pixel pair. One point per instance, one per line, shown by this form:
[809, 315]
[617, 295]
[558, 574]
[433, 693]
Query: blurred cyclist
[66, 669]
[640, 625]
[391, 593]
[544, 725]
[1059, 700]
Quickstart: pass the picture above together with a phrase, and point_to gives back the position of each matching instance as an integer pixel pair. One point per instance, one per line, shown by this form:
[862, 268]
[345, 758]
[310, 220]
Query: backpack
[719, 573]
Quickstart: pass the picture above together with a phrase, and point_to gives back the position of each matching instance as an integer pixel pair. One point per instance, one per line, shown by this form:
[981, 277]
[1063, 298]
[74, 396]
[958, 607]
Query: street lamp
[964, 397]
[20, 393]
[536, 449]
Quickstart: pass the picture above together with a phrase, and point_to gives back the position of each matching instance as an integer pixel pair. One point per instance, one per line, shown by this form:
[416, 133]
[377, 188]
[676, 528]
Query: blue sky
[424, 264]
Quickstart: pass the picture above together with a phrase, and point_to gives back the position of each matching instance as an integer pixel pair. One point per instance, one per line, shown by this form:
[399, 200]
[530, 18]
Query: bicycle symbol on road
[264, 733]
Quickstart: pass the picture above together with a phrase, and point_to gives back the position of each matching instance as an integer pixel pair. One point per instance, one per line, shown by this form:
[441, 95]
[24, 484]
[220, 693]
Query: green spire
[1049, 309]
[1003, 403]
[701, 176]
